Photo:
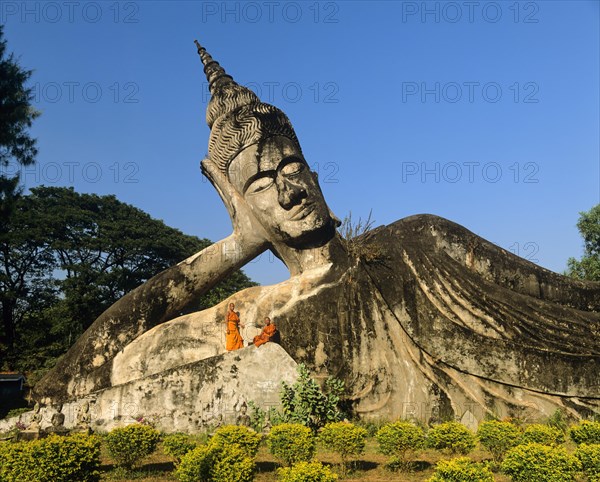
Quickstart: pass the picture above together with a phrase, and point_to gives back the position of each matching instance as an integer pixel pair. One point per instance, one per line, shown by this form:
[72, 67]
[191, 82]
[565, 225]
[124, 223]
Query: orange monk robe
[233, 340]
[267, 332]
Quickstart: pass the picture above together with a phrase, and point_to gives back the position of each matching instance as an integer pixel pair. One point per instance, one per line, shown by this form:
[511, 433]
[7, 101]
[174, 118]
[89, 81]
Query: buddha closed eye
[282, 192]
[288, 169]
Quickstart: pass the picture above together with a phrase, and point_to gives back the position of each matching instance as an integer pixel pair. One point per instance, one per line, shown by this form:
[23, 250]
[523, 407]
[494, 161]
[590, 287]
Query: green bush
[498, 437]
[246, 438]
[585, 433]
[197, 464]
[211, 463]
[53, 459]
[291, 443]
[129, 445]
[306, 472]
[396, 439]
[589, 457]
[453, 437]
[540, 463]
[461, 469]
[542, 434]
[343, 438]
[233, 465]
[304, 402]
[177, 445]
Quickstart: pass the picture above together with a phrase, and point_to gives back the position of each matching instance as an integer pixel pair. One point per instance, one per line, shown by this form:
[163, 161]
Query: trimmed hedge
[343, 438]
[397, 438]
[453, 437]
[246, 438]
[53, 459]
[589, 457]
[130, 444]
[542, 434]
[292, 443]
[498, 437]
[211, 463]
[461, 469]
[306, 472]
[540, 463]
[585, 432]
[176, 445]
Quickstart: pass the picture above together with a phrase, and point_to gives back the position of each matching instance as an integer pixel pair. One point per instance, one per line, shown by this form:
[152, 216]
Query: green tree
[16, 111]
[588, 267]
[16, 117]
[68, 256]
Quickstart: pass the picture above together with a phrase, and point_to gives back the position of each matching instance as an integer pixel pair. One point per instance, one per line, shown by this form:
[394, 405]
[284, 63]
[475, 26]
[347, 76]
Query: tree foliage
[588, 267]
[16, 111]
[65, 257]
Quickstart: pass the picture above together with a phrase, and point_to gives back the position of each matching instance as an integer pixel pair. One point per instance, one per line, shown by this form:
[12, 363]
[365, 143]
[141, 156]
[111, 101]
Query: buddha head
[255, 147]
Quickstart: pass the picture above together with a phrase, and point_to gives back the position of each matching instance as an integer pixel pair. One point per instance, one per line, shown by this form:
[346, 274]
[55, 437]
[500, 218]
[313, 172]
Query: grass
[370, 467]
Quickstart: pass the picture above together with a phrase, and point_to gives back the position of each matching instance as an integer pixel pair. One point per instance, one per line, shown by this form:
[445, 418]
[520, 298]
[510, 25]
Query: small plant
[372, 426]
[258, 416]
[20, 426]
[304, 402]
[461, 469]
[498, 437]
[558, 420]
[351, 234]
[585, 432]
[306, 472]
[397, 439]
[542, 434]
[150, 420]
[452, 437]
[176, 445]
[246, 438]
[345, 439]
[129, 445]
[292, 443]
[15, 412]
[589, 457]
[540, 463]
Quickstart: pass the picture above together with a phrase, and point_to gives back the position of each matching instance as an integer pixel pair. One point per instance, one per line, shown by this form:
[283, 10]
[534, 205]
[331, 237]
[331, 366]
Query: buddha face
[282, 192]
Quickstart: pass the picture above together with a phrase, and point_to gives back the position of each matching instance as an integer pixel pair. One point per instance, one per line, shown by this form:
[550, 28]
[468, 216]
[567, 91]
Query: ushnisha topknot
[236, 116]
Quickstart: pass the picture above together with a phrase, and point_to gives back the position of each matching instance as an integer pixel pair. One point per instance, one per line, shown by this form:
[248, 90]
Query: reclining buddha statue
[420, 315]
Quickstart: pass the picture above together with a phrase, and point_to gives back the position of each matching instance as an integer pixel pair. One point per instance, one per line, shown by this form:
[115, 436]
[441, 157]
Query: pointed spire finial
[215, 74]
[236, 116]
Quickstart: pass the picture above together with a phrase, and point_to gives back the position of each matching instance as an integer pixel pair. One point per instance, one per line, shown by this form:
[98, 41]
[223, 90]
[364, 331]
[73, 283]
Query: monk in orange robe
[267, 333]
[233, 339]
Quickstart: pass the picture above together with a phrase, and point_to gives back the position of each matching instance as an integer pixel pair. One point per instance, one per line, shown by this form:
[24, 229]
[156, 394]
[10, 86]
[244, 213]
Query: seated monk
[268, 332]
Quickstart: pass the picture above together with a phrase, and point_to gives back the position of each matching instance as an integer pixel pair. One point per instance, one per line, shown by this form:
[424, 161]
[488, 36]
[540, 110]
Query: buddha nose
[290, 193]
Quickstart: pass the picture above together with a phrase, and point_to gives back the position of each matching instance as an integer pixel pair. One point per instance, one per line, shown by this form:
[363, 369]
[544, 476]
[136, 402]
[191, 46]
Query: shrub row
[52, 459]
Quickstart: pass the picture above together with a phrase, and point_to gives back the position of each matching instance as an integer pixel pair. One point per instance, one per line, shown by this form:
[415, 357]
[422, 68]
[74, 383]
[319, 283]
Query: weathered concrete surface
[428, 324]
[191, 397]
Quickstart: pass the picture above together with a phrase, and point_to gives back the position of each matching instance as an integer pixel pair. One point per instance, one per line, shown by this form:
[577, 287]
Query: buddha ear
[220, 182]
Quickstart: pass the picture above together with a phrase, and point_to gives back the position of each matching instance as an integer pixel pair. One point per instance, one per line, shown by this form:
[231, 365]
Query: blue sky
[486, 113]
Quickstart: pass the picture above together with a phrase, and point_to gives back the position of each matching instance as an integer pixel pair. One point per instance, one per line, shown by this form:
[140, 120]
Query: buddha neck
[300, 260]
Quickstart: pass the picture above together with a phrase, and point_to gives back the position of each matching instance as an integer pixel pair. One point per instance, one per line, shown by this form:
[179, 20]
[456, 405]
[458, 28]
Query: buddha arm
[159, 299]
